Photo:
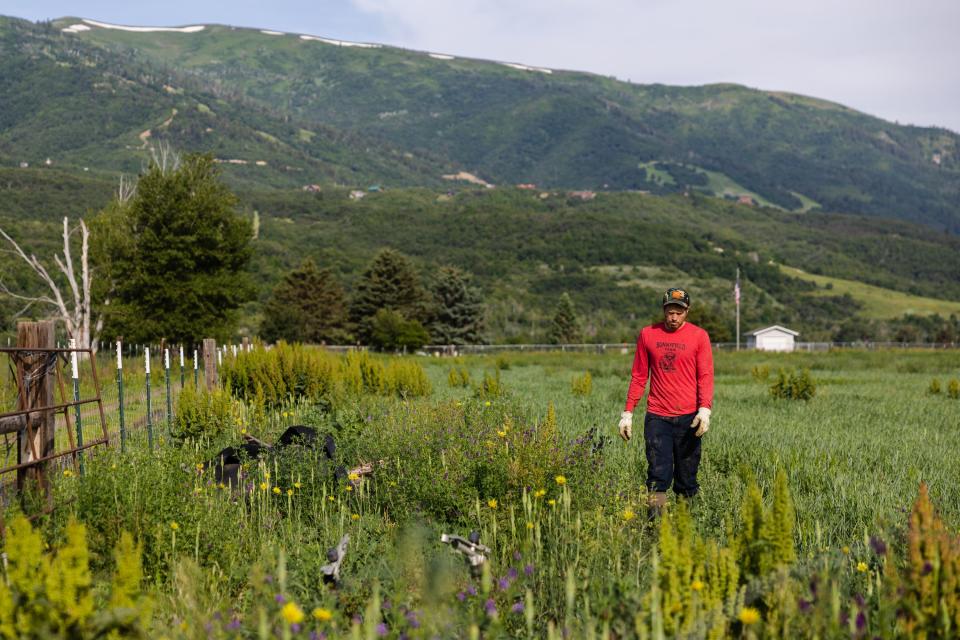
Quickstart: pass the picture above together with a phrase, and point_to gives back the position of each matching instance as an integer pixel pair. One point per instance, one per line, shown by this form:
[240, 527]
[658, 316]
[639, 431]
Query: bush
[390, 331]
[953, 389]
[407, 379]
[458, 377]
[760, 373]
[203, 413]
[934, 387]
[490, 387]
[582, 385]
[794, 386]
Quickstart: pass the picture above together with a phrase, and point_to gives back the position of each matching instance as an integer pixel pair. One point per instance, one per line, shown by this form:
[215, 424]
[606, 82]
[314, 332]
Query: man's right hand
[626, 425]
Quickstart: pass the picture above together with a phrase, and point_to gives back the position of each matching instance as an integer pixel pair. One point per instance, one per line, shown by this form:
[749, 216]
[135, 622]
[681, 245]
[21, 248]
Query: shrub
[458, 377]
[407, 379]
[203, 413]
[582, 385]
[490, 387]
[283, 374]
[760, 373]
[953, 389]
[794, 386]
[934, 387]
[502, 364]
[392, 332]
[48, 592]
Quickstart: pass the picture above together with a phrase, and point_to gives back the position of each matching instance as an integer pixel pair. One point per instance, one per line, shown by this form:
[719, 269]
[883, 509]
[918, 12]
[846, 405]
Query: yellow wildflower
[286, 414]
[551, 502]
[199, 466]
[67, 473]
[861, 566]
[276, 490]
[323, 615]
[502, 434]
[266, 475]
[629, 515]
[113, 466]
[263, 486]
[354, 476]
[289, 492]
[331, 498]
[845, 549]
[697, 585]
[292, 613]
[355, 517]
[487, 403]
[539, 493]
[174, 526]
[297, 485]
[243, 431]
[529, 525]
[220, 485]
[560, 480]
[349, 487]
[748, 616]
[492, 503]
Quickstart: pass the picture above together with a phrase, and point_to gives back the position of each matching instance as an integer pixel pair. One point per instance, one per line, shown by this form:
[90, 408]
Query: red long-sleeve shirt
[680, 368]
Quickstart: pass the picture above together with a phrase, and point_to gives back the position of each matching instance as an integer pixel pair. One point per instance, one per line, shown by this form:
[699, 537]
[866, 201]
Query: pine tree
[389, 282]
[456, 316]
[308, 305]
[173, 256]
[565, 328]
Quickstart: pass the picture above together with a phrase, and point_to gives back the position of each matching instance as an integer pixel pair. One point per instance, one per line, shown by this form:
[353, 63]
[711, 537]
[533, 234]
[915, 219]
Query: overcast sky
[894, 59]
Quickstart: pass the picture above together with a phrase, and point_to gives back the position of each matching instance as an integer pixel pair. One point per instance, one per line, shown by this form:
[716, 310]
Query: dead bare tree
[77, 315]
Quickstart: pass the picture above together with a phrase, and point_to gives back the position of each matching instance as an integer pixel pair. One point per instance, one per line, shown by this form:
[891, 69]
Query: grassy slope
[877, 302]
[575, 129]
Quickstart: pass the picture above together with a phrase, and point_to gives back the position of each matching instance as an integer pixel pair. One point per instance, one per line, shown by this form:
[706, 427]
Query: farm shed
[775, 338]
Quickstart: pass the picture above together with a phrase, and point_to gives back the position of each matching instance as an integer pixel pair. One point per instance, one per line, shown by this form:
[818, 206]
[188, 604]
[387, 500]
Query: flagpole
[738, 308]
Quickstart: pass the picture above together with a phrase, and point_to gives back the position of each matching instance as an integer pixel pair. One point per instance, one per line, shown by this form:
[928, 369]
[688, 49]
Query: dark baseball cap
[673, 295]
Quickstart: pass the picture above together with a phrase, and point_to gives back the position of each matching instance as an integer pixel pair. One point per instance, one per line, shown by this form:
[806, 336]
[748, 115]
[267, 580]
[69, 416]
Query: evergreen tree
[565, 328]
[389, 282]
[308, 305]
[457, 313]
[173, 256]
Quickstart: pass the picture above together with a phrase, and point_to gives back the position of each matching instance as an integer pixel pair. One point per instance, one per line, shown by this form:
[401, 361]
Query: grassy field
[878, 303]
[537, 470]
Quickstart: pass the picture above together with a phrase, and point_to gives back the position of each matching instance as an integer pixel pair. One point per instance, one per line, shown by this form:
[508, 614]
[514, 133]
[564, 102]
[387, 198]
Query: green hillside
[568, 129]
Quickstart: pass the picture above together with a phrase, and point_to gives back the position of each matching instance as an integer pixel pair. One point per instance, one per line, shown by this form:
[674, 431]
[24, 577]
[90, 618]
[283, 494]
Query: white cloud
[891, 59]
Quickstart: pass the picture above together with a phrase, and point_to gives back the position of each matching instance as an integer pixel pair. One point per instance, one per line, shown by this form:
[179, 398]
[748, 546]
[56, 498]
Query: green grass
[877, 302]
[854, 457]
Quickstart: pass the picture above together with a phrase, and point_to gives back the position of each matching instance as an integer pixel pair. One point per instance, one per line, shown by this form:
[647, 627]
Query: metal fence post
[123, 430]
[196, 371]
[75, 374]
[146, 358]
[181, 367]
[166, 367]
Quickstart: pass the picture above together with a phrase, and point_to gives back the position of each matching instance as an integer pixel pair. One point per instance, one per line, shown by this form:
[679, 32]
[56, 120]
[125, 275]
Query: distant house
[583, 195]
[775, 338]
[312, 188]
[747, 200]
[357, 195]
[528, 186]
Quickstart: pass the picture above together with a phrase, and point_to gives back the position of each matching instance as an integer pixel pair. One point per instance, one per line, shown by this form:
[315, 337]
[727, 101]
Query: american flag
[736, 289]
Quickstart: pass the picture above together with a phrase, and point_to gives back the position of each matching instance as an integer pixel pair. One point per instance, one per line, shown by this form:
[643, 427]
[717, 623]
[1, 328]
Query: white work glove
[701, 421]
[626, 425]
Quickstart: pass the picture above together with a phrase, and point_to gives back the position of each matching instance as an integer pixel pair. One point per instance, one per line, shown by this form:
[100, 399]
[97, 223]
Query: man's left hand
[701, 422]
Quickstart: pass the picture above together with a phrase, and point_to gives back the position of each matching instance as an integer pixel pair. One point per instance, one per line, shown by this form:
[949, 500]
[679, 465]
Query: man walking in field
[676, 356]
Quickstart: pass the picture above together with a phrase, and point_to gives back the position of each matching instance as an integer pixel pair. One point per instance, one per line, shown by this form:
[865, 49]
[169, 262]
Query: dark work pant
[673, 453]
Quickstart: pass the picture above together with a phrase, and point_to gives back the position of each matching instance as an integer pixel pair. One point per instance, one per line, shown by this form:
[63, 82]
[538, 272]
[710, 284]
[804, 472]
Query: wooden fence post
[36, 392]
[210, 363]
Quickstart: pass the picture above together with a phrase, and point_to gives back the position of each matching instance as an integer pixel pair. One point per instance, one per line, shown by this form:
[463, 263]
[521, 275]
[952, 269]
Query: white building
[775, 338]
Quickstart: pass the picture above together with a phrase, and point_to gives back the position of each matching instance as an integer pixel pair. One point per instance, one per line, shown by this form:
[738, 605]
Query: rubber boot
[655, 504]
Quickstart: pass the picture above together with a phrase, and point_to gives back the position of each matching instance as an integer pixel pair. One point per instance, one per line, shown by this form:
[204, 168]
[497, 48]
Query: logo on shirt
[668, 362]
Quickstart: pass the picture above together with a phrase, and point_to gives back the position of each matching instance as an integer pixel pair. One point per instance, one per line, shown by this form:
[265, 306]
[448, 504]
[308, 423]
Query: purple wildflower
[528, 570]
[471, 590]
[503, 583]
[412, 619]
[382, 629]
[804, 605]
[461, 596]
[859, 600]
[279, 598]
[295, 628]
[517, 607]
[512, 573]
[386, 605]
[234, 624]
[490, 607]
[517, 556]
[861, 621]
[878, 545]
[927, 569]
